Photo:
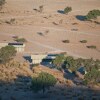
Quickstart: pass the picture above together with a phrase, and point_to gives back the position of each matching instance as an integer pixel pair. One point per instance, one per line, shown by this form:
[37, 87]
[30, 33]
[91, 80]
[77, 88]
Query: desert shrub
[11, 21]
[70, 63]
[92, 67]
[7, 22]
[42, 82]
[21, 40]
[15, 37]
[54, 23]
[2, 2]
[74, 29]
[47, 31]
[61, 21]
[7, 53]
[93, 14]
[74, 23]
[34, 65]
[65, 41]
[58, 61]
[97, 22]
[41, 8]
[67, 10]
[74, 64]
[90, 63]
[97, 64]
[92, 76]
[40, 33]
[83, 41]
[92, 47]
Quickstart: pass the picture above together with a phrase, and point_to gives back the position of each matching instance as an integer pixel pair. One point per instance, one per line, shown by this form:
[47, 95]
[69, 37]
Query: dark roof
[15, 43]
[52, 54]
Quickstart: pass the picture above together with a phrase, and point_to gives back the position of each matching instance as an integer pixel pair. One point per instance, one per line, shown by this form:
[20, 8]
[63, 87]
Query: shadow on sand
[81, 17]
[60, 11]
[28, 58]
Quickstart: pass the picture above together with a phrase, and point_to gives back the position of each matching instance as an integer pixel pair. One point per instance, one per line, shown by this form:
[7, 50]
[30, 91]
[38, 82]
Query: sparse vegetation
[11, 21]
[92, 68]
[54, 23]
[41, 8]
[59, 61]
[74, 29]
[2, 2]
[83, 41]
[98, 23]
[74, 23]
[73, 64]
[65, 41]
[7, 53]
[93, 14]
[34, 65]
[40, 33]
[92, 77]
[47, 31]
[67, 10]
[70, 63]
[15, 37]
[22, 40]
[92, 47]
[43, 82]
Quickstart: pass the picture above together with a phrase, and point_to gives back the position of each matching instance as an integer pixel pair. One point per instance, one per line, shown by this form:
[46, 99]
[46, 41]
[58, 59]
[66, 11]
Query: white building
[3, 45]
[20, 47]
[38, 58]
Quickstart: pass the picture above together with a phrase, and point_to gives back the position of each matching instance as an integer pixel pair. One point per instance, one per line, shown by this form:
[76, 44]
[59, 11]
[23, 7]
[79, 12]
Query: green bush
[67, 10]
[93, 14]
[21, 40]
[92, 76]
[34, 65]
[2, 2]
[92, 47]
[42, 82]
[91, 66]
[71, 63]
[58, 61]
[7, 53]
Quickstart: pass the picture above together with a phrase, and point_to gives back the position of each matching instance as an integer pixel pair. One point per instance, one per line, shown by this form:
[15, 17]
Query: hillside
[15, 82]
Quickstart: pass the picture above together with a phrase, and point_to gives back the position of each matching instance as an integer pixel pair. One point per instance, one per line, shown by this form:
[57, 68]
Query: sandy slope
[15, 82]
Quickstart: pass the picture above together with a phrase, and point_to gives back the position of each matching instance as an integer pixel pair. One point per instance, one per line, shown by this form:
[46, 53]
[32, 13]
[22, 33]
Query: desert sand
[53, 25]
